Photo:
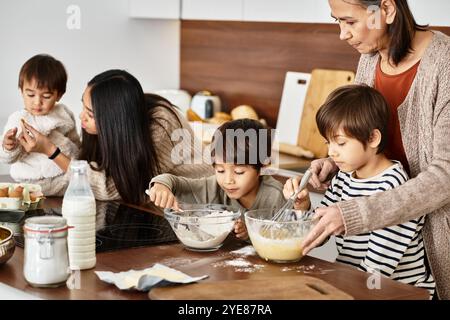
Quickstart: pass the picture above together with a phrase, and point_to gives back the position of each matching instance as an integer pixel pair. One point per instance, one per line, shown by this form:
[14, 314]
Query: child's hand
[302, 202]
[34, 141]
[240, 229]
[9, 140]
[161, 196]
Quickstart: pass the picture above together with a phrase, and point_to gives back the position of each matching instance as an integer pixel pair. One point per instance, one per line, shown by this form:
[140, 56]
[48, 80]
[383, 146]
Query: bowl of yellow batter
[278, 241]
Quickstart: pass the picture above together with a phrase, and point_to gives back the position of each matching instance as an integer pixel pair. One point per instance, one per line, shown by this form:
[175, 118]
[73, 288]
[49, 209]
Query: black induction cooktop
[118, 226]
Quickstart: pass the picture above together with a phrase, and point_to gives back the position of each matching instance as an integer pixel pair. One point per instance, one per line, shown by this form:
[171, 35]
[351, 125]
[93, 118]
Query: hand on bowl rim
[329, 222]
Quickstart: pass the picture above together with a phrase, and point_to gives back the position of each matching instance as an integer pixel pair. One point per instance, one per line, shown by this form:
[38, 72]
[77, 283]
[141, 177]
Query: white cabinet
[431, 12]
[212, 10]
[313, 11]
[307, 11]
[154, 9]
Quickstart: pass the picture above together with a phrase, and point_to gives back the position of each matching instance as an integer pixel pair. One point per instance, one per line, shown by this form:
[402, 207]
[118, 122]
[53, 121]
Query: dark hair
[358, 110]
[242, 142]
[47, 71]
[123, 146]
[401, 31]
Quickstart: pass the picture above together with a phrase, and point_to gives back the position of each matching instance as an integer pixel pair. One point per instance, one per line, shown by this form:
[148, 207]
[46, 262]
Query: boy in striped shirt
[354, 121]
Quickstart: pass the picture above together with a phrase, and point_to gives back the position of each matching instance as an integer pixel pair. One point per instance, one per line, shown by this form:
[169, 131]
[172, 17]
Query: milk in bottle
[79, 210]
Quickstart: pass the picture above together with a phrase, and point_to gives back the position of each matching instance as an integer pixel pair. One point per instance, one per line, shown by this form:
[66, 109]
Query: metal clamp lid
[46, 224]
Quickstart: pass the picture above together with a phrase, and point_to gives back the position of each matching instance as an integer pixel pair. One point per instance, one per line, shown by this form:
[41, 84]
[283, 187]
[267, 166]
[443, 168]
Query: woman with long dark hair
[410, 66]
[126, 139]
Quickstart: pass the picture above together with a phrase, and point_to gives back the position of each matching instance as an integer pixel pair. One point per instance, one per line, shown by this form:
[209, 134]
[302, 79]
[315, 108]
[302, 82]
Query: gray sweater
[206, 190]
[425, 128]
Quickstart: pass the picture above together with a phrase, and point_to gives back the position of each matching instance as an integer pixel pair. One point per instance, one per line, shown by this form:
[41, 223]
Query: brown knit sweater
[424, 119]
[104, 187]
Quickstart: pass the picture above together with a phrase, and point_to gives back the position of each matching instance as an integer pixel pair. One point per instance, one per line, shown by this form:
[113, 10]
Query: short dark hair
[401, 32]
[242, 142]
[47, 71]
[358, 110]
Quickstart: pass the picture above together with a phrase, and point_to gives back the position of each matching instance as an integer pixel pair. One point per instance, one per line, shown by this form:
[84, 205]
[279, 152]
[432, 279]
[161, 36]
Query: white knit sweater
[59, 126]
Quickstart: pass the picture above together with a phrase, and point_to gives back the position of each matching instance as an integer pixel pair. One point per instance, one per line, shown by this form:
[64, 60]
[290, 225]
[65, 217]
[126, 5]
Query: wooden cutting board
[275, 288]
[321, 84]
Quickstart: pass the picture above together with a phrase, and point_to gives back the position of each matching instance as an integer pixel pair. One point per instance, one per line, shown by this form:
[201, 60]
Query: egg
[4, 192]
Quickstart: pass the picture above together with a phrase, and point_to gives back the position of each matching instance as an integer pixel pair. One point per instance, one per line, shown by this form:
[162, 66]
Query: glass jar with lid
[46, 262]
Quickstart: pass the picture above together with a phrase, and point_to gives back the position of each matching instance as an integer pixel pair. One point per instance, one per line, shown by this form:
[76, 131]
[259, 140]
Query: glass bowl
[275, 241]
[202, 227]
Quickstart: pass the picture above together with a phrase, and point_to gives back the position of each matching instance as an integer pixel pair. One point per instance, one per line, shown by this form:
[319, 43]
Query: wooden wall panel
[246, 62]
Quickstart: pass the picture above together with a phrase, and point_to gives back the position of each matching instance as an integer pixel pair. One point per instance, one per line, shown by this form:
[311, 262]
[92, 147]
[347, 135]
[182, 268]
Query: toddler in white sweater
[42, 82]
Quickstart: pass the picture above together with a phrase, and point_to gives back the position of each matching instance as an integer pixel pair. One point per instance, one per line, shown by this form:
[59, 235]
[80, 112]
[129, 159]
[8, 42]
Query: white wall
[433, 12]
[149, 49]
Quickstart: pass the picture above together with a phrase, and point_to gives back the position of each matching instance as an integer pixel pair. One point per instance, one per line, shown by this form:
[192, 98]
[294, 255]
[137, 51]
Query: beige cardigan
[425, 128]
[104, 187]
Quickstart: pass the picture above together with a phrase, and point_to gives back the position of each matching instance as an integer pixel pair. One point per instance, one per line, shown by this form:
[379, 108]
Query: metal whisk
[280, 215]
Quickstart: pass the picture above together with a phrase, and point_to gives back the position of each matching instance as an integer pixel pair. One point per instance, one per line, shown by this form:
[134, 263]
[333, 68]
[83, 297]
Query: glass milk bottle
[79, 210]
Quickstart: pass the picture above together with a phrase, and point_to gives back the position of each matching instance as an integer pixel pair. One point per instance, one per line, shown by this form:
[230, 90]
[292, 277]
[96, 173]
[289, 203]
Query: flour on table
[245, 251]
[306, 269]
[239, 265]
[253, 268]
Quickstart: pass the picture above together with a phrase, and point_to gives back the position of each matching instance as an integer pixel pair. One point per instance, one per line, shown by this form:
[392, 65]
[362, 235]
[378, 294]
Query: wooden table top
[219, 265]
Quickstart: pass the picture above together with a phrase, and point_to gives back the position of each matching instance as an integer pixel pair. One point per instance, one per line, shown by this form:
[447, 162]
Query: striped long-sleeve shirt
[397, 251]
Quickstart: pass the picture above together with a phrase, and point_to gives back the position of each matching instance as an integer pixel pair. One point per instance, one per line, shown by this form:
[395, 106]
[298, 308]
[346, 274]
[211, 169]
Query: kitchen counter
[220, 265]
[289, 162]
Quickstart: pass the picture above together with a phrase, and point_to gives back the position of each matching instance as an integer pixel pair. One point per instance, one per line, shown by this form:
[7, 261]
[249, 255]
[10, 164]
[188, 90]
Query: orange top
[395, 88]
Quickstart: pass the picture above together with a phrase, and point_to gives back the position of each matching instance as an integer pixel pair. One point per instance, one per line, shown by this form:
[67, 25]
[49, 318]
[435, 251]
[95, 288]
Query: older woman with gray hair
[410, 65]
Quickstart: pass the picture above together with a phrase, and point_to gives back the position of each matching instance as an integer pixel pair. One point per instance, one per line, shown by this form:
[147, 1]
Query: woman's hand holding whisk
[322, 171]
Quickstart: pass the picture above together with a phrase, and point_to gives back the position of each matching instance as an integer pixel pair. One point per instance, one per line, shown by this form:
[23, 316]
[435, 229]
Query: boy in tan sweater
[240, 149]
